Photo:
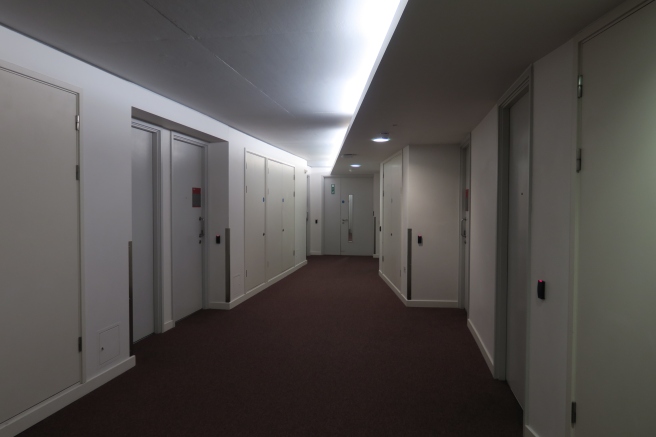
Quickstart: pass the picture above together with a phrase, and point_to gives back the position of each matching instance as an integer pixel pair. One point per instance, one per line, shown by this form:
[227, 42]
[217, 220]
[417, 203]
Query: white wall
[106, 105]
[433, 212]
[316, 208]
[404, 221]
[553, 149]
[483, 229]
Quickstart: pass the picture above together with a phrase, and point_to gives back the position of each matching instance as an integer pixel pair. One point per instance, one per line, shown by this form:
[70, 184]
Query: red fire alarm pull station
[195, 197]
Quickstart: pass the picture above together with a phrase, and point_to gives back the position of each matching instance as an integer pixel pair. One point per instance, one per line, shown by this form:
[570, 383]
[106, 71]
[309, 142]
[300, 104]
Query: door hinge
[79, 344]
[294, 253]
[77, 172]
[579, 87]
[77, 122]
[294, 193]
[579, 160]
[294, 177]
[573, 413]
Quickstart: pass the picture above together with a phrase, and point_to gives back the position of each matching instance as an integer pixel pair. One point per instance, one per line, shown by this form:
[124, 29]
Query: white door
[274, 218]
[615, 302]
[188, 215]
[392, 172]
[332, 216]
[517, 246]
[288, 204]
[357, 219]
[39, 243]
[143, 234]
[255, 255]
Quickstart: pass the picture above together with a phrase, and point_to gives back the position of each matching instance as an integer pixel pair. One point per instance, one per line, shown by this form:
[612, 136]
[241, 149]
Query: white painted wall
[316, 207]
[433, 212]
[554, 117]
[106, 104]
[404, 221]
[376, 195]
[483, 228]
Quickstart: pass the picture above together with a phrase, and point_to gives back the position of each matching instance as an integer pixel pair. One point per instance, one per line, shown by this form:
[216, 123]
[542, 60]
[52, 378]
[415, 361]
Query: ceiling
[289, 72]
[292, 72]
[448, 63]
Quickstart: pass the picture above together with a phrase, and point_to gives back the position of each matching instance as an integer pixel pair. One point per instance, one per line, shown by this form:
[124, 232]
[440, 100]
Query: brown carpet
[327, 351]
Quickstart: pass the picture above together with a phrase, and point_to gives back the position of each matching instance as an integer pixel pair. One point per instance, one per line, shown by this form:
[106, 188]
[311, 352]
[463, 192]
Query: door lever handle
[202, 227]
[463, 231]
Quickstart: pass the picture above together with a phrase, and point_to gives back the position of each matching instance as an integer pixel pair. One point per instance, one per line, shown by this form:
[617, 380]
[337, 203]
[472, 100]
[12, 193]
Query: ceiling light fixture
[383, 138]
[355, 165]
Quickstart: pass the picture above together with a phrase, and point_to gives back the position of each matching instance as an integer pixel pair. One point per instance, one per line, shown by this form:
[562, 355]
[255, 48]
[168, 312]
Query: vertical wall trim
[409, 272]
[130, 303]
[227, 265]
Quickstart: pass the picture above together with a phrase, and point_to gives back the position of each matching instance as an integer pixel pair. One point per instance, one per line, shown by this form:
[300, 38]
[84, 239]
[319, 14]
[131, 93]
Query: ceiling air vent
[349, 155]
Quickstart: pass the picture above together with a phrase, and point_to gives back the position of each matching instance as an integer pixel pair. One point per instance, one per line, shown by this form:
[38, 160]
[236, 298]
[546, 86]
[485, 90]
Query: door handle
[202, 227]
[463, 231]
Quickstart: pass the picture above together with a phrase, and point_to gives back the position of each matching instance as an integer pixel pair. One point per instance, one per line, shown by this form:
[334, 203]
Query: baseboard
[51, 405]
[481, 346]
[244, 297]
[418, 303]
[314, 252]
[168, 325]
[528, 432]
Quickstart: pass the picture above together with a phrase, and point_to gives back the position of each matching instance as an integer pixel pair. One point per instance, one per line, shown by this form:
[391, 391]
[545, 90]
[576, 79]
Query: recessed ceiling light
[355, 165]
[383, 138]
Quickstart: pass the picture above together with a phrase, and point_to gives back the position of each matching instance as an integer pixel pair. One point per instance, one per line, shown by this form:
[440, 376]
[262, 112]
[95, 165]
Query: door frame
[522, 86]
[157, 221]
[465, 179]
[204, 197]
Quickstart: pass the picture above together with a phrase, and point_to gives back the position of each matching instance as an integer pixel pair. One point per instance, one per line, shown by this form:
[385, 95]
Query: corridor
[329, 350]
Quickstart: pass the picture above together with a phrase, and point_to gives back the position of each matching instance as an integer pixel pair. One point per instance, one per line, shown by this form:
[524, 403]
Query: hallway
[329, 350]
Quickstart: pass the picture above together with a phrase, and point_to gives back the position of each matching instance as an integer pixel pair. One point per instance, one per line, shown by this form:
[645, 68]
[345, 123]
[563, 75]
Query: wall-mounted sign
[195, 197]
[332, 188]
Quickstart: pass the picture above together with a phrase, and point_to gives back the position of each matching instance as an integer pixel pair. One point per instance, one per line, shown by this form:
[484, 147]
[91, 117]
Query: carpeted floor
[329, 350]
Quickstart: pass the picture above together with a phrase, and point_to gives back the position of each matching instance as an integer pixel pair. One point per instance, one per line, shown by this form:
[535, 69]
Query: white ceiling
[448, 63]
[291, 72]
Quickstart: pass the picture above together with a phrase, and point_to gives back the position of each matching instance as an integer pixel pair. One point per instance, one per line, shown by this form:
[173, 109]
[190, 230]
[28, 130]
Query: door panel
[332, 216]
[517, 246]
[187, 253]
[392, 220]
[357, 216]
[39, 237]
[615, 326]
[255, 221]
[288, 211]
[143, 263]
[274, 218]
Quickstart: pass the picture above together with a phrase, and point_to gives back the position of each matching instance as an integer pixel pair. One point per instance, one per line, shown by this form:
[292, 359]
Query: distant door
[356, 220]
[465, 223]
[143, 233]
[274, 223]
[255, 203]
[188, 214]
[615, 300]
[39, 243]
[392, 175]
[332, 216]
[518, 214]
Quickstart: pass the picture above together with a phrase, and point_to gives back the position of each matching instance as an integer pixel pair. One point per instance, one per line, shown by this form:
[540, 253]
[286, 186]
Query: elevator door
[39, 243]
[615, 325]
[143, 234]
[517, 246]
[188, 195]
